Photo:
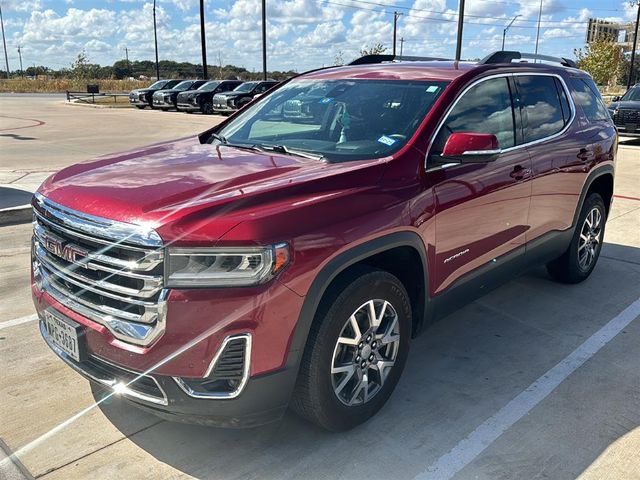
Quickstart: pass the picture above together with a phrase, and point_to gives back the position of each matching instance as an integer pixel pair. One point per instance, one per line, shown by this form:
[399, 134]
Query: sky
[301, 34]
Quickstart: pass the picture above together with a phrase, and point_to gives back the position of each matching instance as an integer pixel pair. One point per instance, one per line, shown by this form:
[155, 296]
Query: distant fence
[84, 97]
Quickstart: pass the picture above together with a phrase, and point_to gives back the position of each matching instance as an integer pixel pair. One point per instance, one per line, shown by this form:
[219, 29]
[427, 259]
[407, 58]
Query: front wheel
[141, 107]
[577, 263]
[207, 108]
[356, 351]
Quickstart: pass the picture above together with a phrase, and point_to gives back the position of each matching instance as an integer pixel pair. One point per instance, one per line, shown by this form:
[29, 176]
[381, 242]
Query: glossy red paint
[197, 194]
[459, 143]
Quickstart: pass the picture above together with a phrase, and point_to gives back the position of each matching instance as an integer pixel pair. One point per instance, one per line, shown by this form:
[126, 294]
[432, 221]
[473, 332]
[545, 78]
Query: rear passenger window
[585, 93]
[485, 108]
[564, 101]
[541, 108]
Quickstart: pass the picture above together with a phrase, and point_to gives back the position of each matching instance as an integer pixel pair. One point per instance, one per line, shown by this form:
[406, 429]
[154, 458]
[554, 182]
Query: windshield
[159, 84]
[339, 120]
[183, 85]
[632, 95]
[245, 87]
[209, 86]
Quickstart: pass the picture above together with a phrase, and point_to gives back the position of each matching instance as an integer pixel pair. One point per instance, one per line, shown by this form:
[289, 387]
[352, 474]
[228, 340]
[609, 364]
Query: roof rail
[506, 56]
[371, 59]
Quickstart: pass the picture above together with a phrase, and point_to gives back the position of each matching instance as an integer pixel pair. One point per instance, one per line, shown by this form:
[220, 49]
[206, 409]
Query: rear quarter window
[585, 93]
[543, 114]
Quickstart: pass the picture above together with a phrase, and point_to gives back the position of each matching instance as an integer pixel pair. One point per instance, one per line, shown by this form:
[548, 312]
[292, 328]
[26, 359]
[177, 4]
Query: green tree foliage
[376, 49]
[602, 59]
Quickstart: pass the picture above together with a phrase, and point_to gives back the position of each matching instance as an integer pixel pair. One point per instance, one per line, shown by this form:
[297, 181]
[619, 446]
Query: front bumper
[160, 103]
[138, 101]
[262, 400]
[188, 107]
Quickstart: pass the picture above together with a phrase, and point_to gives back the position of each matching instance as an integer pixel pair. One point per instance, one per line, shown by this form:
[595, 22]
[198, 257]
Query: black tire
[141, 107]
[207, 108]
[568, 268]
[164, 109]
[314, 397]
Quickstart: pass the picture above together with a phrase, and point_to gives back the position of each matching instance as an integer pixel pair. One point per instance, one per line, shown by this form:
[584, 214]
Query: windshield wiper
[288, 151]
[223, 140]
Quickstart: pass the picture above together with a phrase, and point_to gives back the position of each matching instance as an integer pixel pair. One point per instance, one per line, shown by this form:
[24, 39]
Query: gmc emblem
[71, 253]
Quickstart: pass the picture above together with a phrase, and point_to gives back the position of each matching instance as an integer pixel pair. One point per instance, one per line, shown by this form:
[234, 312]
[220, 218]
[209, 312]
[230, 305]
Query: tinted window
[564, 101]
[632, 95]
[586, 94]
[485, 108]
[245, 87]
[542, 113]
[184, 85]
[209, 86]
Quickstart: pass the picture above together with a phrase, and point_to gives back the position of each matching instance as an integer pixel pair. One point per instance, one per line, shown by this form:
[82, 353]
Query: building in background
[620, 33]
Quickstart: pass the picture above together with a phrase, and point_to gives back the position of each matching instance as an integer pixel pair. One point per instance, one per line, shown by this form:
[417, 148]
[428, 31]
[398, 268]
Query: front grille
[107, 271]
[626, 117]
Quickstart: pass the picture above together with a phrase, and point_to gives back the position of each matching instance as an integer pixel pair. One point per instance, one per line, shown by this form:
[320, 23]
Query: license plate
[64, 335]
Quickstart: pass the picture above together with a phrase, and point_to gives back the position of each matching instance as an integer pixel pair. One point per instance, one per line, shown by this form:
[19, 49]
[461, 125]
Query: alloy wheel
[589, 238]
[365, 352]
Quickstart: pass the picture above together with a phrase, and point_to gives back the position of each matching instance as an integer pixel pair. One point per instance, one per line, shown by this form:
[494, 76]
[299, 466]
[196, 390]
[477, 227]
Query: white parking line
[18, 321]
[477, 441]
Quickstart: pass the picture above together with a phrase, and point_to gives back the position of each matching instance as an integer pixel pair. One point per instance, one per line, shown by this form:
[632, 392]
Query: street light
[504, 32]
[155, 36]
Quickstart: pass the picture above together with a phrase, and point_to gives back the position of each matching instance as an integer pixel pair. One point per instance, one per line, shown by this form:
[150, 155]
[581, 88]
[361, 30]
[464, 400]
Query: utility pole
[538, 32]
[205, 75]
[4, 42]
[126, 54]
[633, 51]
[155, 36]
[460, 25]
[20, 55]
[504, 32]
[395, 30]
[264, 39]
[401, 45]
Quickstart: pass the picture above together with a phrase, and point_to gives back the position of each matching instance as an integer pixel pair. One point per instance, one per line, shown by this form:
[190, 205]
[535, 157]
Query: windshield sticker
[433, 89]
[388, 141]
[326, 100]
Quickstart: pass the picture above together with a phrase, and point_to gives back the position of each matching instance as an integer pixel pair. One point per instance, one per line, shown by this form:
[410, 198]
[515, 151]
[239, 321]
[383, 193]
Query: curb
[15, 215]
[93, 105]
[12, 468]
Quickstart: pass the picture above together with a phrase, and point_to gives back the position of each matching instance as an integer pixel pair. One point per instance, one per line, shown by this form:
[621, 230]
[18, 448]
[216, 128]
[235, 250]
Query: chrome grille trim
[111, 282]
[97, 226]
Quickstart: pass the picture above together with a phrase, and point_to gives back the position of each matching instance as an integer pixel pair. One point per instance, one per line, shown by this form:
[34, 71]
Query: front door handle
[519, 172]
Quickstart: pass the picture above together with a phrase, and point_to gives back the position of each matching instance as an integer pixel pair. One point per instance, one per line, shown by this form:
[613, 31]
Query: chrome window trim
[508, 149]
[245, 373]
[120, 232]
[125, 390]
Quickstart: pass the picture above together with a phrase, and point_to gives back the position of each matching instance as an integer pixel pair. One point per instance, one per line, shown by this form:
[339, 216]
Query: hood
[231, 94]
[632, 104]
[166, 182]
[141, 90]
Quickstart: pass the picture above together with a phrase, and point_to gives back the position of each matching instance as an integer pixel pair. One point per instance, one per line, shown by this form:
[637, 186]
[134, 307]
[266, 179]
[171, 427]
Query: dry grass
[61, 85]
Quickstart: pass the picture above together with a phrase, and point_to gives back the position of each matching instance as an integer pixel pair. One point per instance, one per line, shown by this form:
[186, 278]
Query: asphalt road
[535, 380]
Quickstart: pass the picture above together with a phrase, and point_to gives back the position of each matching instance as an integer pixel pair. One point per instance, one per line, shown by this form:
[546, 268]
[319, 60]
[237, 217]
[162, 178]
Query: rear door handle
[519, 173]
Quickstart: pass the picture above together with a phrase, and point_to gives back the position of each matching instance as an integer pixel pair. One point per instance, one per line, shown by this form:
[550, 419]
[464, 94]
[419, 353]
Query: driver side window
[485, 108]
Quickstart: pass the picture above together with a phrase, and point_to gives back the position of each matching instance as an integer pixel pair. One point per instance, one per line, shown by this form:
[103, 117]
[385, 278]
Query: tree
[339, 58]
[81, 66]
[377, 49]
[602, 59]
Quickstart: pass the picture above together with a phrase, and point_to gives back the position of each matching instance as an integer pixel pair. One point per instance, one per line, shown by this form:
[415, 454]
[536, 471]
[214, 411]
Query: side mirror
[469, 147]
[615, 98]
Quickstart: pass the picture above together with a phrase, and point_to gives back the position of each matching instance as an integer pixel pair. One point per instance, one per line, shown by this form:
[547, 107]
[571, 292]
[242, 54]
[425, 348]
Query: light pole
[538, 32]
[460, 25]
[395, 29]
[633, 51]
[6, 58]
[20, 55]
[155, 36]
[264, 39]
[504, 32]
[205, 75]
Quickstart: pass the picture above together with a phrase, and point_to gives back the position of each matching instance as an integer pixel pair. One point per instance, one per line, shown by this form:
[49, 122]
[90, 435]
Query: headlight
[224, 266]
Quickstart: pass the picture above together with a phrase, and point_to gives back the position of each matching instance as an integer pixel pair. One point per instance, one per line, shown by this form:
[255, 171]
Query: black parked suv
[202, 98]
[168, 98]
[143, 97]
[625, 112]
[226, 103]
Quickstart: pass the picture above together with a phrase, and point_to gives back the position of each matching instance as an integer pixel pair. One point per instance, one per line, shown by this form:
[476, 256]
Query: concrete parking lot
[534, 380]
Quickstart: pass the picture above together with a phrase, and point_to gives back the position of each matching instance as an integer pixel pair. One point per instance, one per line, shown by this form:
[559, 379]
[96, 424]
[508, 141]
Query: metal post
[264, 39]
[395, 29]
[401, 45]
[155, 35]
[6, 58]
[126, 54]
[504, 32]
[205, 75]
[460, 25]
[633, 51]
[20, 55]
[538, 32]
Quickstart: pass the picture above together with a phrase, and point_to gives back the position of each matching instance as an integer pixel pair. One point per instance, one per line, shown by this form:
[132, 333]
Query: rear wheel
[577, 263]
[141, 107]
[356, 351]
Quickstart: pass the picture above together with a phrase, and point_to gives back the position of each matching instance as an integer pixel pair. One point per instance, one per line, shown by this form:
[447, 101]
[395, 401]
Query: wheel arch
[601, 180]
[373, 254]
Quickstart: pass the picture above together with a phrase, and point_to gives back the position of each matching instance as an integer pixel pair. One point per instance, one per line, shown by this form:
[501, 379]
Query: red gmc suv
[287, 256]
